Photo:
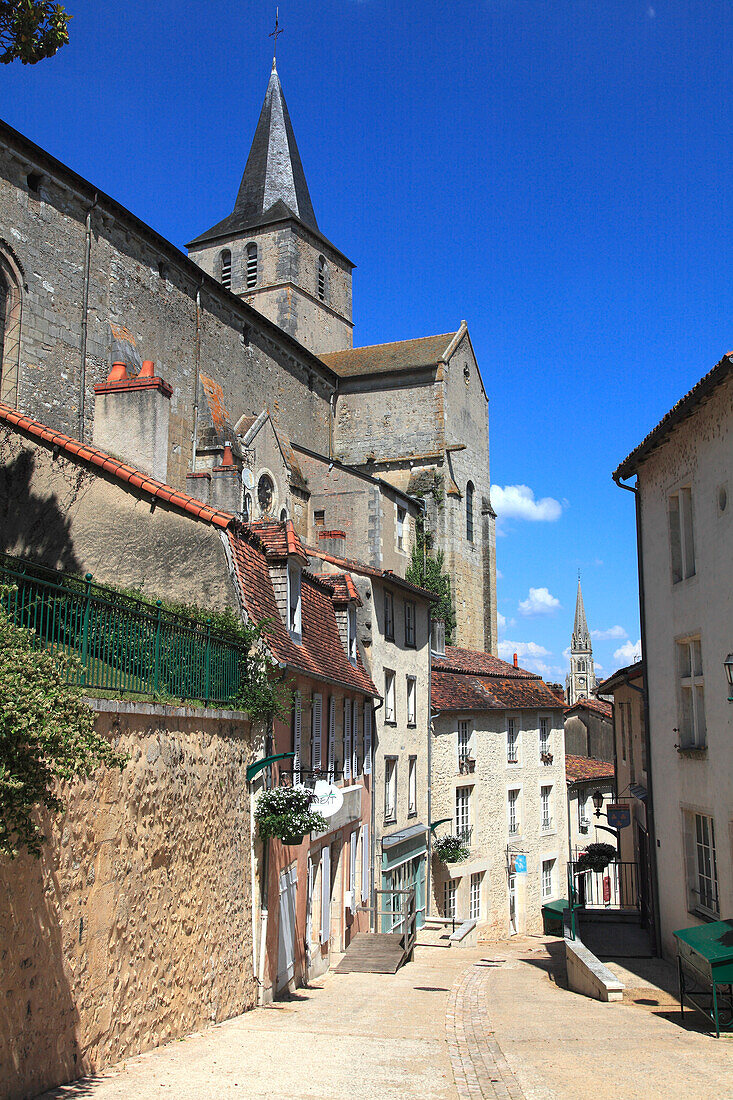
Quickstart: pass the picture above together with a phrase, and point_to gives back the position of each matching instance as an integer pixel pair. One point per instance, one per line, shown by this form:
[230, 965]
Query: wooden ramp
[373, 953]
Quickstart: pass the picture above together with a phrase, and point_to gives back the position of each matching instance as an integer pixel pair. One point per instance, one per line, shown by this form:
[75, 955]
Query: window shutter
[296, 736]
[352, 867]
[325, 894]
[347, 738]
[355, 738]
[367, 737]
[316, 726]
[365, 858]
[331, 739]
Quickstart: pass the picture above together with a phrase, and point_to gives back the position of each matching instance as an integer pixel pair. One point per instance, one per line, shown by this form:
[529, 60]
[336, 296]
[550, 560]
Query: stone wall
[142, 284]
[135, 925]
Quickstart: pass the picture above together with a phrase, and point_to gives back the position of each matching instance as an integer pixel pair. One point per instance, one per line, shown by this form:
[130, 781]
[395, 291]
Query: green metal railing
[123, 644]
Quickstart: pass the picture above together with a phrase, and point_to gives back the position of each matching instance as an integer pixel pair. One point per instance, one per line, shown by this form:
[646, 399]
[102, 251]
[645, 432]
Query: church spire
[274, 172]
[581, 634]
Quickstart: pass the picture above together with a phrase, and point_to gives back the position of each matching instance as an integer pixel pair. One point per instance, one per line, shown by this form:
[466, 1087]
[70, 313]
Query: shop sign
[619, 815]
[327, 798]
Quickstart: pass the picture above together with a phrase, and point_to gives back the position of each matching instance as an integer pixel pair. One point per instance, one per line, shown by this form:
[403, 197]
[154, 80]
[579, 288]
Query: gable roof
[621, 676]
[351, 565]
[684, 408]
[598, 706]
[582, 768]
[321, 653]
[401, 355]
[113, 469]
[458, 691]
[279, 540]
[475, 660]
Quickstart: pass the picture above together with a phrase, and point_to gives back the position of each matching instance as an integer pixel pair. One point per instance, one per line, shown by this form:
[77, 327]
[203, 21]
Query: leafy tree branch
[31, 30]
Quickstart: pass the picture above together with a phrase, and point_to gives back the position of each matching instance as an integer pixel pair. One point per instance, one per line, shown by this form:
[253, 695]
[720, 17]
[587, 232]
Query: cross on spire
[274, 34]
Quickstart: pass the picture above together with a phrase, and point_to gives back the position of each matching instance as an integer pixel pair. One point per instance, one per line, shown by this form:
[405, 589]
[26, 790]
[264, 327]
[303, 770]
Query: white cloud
[501, 620]
[629, 651]
[518, 502]
[607, 635]
[539, 602]
[566, 653]
[651, 13]
[522, 649]
[499, 575]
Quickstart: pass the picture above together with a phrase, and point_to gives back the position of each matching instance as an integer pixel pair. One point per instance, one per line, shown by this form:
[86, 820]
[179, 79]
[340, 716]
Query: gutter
[650, 815]
[85, 317]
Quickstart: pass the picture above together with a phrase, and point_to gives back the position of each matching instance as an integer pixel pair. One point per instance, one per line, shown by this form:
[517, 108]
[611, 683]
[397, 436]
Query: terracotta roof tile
[279, 539]
[634, 671]
[400, 355]
[341, 585]
[321, 653]
[456, 691]
[475, 660]
[120, 471]
[599, 706]
[578, 768]
[351, 565]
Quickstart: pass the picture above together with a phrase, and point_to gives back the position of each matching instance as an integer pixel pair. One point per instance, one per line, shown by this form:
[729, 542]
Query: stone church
[268, 409]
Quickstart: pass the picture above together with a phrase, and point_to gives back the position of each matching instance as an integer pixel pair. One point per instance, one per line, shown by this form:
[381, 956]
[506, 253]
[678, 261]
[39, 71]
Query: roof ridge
[387, 343]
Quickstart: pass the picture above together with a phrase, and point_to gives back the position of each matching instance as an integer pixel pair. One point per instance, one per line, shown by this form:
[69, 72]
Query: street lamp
[597, 799]
[728, 666]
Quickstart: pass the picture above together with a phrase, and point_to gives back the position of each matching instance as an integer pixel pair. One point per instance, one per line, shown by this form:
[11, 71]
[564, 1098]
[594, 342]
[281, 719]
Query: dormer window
[352, 634]
[437, 638]
[295, 620]
[251, 266]
[401, 517]
[225, 269]
[322, 278]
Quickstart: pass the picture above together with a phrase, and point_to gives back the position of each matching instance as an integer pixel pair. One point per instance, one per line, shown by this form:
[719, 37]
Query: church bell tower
[581, 679]
[269, 251]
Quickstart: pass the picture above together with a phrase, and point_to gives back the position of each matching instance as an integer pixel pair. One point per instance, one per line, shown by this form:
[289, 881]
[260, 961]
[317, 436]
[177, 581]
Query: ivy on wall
[428, 571]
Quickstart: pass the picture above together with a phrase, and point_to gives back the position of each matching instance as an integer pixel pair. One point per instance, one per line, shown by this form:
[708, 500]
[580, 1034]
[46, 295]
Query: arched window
[11, 282]
[251, 266]
[581, 666]
[322, 278]
[469, 511]
[225, 269]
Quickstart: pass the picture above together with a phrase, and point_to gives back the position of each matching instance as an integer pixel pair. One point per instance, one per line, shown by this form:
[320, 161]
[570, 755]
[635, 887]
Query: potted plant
[450, 849]
[596, 857]
[285, 813]
[546, 757]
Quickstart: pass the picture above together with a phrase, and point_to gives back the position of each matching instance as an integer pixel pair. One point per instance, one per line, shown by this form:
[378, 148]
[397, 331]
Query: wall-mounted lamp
[597, 799]
[728, 666]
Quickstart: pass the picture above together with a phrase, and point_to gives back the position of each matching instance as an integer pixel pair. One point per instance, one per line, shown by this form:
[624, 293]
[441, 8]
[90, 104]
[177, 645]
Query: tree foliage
[31, 30]
[428, 571]
[47, 735]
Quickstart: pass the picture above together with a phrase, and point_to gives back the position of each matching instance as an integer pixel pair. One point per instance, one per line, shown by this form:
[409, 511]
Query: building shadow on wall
[39, 1045]
[32, 525]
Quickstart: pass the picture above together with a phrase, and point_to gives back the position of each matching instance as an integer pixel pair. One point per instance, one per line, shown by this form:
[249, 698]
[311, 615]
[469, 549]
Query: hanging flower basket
[596, 857]
[450, 849]
[285, 813]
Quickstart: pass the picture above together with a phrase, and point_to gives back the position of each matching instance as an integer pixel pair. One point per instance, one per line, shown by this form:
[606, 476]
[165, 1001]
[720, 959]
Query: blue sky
[554, 172]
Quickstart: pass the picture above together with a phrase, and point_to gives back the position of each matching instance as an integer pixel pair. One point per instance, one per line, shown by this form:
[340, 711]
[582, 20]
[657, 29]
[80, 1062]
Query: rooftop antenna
[274, 34]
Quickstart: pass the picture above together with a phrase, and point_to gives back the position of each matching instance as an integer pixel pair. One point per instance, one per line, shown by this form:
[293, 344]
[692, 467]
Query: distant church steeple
[270, 251]
[581, 679]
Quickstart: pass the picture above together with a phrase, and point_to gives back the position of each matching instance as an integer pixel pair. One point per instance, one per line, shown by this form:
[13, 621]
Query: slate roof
[684, 408]
[321, 653]
[401, 355]
[597, 705]
[580, 768]
[115, 470]
[475, 660]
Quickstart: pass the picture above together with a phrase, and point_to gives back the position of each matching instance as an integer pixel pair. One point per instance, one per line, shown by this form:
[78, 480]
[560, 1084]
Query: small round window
[265, 493]
[722, 498]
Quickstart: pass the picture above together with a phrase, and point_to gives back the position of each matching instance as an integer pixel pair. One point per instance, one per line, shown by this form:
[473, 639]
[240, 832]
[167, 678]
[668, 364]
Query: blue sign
[619, 815]
[520, 864]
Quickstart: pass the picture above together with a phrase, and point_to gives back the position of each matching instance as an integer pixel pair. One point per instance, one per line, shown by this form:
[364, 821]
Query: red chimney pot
[118, 373]
[148, 369]
[516, 662]
[228, 457]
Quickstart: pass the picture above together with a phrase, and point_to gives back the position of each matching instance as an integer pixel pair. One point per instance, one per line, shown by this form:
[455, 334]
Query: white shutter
[352, 868]
[296, 736]
[355, 738]
[365, 860]
[316, 724]
[331, 739]
[326, 894]
[347, 738]
[367, 737]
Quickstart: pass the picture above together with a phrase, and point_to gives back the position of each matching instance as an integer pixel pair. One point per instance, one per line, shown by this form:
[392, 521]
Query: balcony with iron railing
[465, 834]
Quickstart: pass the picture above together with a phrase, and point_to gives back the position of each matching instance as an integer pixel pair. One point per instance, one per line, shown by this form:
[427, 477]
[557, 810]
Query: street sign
[520, 864]
[328, 798]
[619, 815]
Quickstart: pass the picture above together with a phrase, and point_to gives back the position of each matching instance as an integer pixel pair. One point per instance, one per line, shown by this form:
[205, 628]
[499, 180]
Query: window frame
[410, 624]
[470, 532]
[547, 824]
[390, 789]
[691, 694]
[515, 804]
[513, 761]
[681, 520]
[412, 786]
[252, 273]
[401, 522]
[545, 743]
[548, 862]
[476, 880]
[295, 621]
[225, 268]
[462, 819]
[411, 689]
[351, 631]
[390, 697]
[388, 615]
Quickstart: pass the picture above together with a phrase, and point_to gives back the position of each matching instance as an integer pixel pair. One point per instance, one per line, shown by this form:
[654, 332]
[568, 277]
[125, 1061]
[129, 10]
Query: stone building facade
[589, 729]
[498, 774]
[685, 534]
[586, 777]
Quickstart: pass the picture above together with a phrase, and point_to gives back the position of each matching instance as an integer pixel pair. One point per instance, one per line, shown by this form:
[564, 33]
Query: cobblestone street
[485, 1023]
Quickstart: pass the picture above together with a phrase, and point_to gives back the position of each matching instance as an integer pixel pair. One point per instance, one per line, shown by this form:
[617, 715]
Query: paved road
[491, 1023]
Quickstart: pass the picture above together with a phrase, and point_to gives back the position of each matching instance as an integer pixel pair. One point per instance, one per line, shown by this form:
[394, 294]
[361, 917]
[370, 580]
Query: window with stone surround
[474, 911]
[692, 727]
[681, 535]
[11, 286]
[545, 748]
[252, 266]
[546, 808]
[512, 741]
[469, 511]
[389, 616]
[225, 268]
[390, 711]
[411, 701]
[412, 787]
[513, 811]
[450, 892]
[410, 624]
[702, 866]
[401, 517]
[390, 788]
[548, 875]
[294, 601]
[322, 277]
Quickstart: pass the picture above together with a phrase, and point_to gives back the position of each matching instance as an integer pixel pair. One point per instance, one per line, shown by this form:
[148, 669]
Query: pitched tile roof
[457, 691]
[321, 653]
[578, 768]
[475, 660]
[401, 355]
[113, 468]
[599, 706]
[278, 539]
[684, 408]
[634, 671]
[351, 565]
[341, 585]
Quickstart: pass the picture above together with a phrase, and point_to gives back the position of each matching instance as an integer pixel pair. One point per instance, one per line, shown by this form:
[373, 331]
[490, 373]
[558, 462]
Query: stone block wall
[135, 925]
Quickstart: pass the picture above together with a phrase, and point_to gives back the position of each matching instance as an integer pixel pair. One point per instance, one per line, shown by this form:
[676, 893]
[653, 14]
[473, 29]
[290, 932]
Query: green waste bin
[552, 917]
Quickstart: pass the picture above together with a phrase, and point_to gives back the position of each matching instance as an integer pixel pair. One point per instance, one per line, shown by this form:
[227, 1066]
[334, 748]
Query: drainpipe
[428, 882]
[647, 731]
[373, 920]
[197, 369]
[253, 879]
[84, 318]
